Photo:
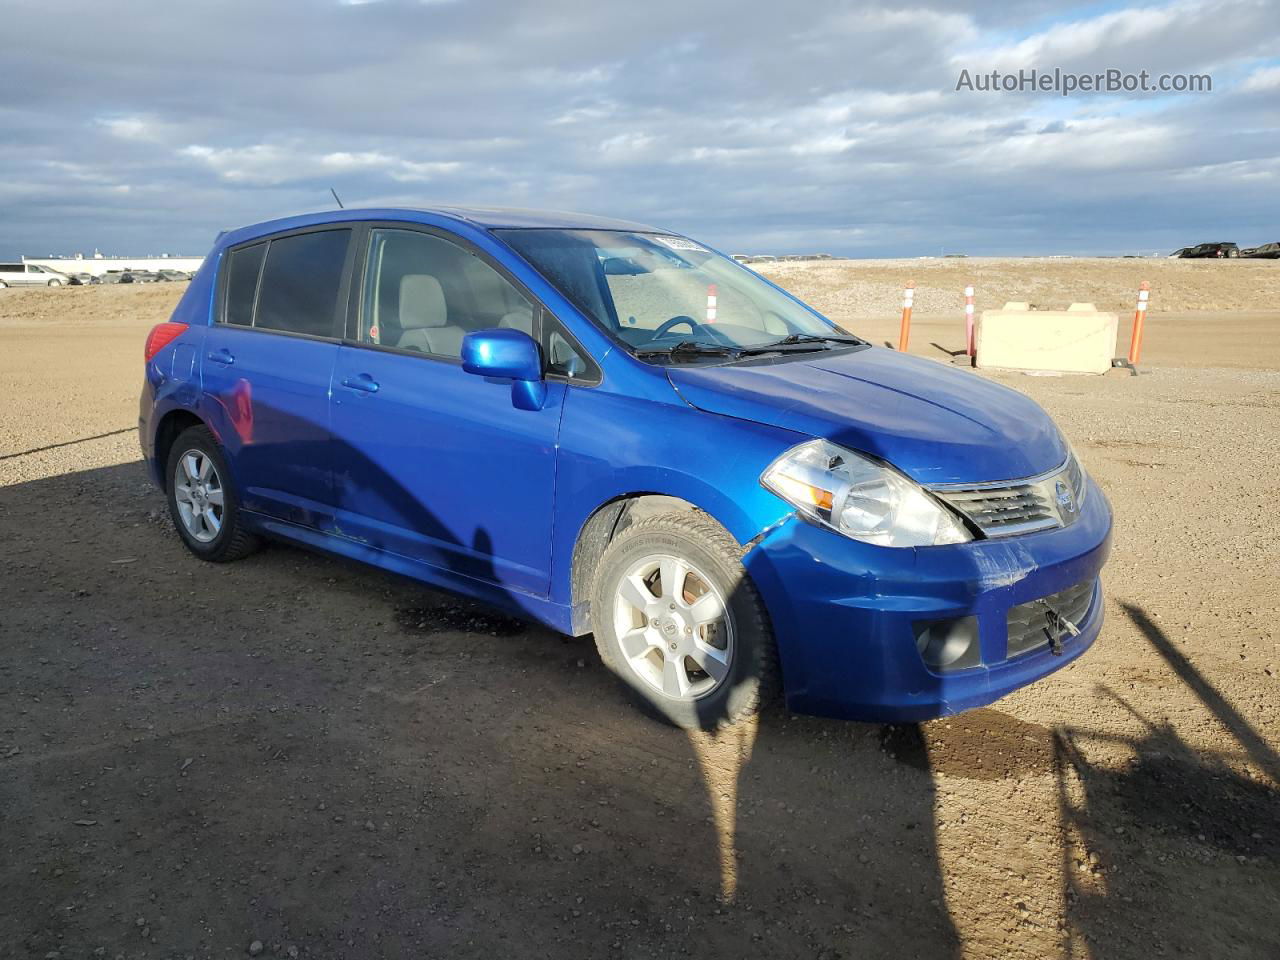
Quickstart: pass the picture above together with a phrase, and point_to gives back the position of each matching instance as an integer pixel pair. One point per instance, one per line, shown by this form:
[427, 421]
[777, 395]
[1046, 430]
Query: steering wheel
[665, 328]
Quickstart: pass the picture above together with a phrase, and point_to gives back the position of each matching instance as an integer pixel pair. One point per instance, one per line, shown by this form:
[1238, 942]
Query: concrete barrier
[1076, 340]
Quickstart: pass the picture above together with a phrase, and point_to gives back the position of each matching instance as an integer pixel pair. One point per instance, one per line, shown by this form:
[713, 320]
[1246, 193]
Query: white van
[30, 274]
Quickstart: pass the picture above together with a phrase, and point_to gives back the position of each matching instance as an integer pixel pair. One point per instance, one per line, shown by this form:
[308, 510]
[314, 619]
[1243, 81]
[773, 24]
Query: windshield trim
[500, 234]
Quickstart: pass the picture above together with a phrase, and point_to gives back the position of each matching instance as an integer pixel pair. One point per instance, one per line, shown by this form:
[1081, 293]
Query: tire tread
[238, 543]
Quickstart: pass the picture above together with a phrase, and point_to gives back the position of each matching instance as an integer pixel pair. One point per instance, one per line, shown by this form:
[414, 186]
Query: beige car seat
[424, 317]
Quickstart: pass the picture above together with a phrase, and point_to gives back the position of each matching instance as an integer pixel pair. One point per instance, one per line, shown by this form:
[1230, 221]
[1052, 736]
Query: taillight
[160, 335]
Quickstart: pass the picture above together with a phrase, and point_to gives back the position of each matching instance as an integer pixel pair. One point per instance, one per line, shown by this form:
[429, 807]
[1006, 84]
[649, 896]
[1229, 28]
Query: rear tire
[683, 661]
[203, 501]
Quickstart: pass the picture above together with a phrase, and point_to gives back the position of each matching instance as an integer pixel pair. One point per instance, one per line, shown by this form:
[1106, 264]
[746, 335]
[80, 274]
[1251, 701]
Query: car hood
[936, 423]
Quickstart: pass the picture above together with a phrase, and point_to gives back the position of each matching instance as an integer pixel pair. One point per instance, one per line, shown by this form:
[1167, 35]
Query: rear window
[289, 284]
[300, 280]
[243, 268]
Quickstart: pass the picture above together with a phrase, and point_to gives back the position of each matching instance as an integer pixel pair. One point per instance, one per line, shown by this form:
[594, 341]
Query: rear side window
[243, 267]
[298, 292]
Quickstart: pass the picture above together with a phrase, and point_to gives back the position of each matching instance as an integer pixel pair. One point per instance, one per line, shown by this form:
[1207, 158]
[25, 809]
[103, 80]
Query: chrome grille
[1027, 620]
[1004, 509]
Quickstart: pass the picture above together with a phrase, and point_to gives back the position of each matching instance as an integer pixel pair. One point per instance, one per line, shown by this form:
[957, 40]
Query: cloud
[132, 128]
[748, 127]
[1182, 36]
[266, 164]
[1263, 80]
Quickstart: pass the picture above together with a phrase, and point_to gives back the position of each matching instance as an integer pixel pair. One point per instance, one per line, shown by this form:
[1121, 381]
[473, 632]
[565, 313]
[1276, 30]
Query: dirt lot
[335, 763]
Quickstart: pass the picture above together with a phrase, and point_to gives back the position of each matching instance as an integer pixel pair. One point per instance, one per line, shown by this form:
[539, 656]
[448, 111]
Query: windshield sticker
[680, 243]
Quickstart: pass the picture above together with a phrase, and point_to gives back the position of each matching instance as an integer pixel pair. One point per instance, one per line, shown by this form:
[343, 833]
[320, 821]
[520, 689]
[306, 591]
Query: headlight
[861, 498]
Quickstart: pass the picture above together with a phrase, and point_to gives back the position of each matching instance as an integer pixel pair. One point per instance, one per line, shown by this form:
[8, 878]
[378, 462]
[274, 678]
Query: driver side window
[423, 293]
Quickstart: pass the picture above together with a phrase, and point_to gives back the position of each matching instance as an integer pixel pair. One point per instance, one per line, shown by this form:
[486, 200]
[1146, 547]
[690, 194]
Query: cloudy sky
[760, 127]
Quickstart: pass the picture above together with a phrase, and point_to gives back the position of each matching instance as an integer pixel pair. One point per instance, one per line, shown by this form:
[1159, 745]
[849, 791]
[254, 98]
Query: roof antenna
[335, 197]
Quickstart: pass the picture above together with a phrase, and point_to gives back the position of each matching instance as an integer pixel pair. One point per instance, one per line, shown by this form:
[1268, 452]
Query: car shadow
[1175, 851]
[304, 751]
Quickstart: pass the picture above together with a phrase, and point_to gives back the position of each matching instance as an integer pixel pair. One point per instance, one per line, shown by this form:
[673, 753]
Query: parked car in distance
[733, 504]
[1207, 251]
[171, 275]
[1267, 251]
[82, 279]
[30, 275]
[139, 276]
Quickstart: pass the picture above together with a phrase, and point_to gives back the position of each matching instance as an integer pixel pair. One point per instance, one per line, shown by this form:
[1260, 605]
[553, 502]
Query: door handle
[362, 384]
[222, 356]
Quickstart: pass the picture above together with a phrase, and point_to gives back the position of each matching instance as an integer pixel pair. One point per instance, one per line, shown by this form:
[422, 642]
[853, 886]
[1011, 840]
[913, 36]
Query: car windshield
[666, 296]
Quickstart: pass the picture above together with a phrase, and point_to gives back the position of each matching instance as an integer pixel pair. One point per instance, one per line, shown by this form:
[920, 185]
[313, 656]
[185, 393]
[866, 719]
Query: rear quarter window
[243, 267]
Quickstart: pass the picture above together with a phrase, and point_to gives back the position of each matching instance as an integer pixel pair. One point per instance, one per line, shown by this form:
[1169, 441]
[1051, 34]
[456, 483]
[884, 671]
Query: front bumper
[845, 613]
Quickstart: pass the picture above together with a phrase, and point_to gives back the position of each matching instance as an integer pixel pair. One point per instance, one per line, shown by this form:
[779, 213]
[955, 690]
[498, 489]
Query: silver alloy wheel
[674, 627]
[198, 492]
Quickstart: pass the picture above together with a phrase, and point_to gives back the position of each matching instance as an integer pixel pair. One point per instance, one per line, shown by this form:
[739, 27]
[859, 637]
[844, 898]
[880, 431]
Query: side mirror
[510, 355]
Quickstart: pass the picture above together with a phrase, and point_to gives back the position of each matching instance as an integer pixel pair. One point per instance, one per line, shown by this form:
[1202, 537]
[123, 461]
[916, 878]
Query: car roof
[487, 218]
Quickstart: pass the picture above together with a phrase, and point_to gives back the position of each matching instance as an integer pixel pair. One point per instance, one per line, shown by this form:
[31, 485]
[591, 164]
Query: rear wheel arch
[600, 529]
[171, 427]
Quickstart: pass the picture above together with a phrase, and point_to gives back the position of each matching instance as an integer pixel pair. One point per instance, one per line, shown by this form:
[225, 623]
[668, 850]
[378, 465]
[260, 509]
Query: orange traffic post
[712, 301]
[904, 334]
[1139, 314]
[968, 320]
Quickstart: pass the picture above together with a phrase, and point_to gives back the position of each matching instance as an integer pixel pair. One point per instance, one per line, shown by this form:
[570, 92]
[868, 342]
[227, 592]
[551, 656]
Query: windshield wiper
[803, 340]
[690, 348]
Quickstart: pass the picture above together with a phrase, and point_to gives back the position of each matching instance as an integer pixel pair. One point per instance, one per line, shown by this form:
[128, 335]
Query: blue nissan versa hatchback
[612, 429]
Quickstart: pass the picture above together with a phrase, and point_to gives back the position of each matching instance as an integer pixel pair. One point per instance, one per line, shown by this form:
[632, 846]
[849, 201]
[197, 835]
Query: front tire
[202, 499]
[679, 622]
[55, 283]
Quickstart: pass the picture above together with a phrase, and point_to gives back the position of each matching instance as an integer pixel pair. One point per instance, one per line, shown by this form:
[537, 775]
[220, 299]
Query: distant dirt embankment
[873, 288]
[842, 289]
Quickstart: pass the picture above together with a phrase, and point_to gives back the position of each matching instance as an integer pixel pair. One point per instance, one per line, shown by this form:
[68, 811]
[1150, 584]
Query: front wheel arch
[600, 529]
[695, 543]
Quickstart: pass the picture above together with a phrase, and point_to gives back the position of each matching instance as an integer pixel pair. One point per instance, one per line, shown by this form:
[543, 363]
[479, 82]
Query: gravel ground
[295, 756]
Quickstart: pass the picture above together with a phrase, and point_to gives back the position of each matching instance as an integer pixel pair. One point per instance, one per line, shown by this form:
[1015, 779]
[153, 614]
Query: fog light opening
[947, 645]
